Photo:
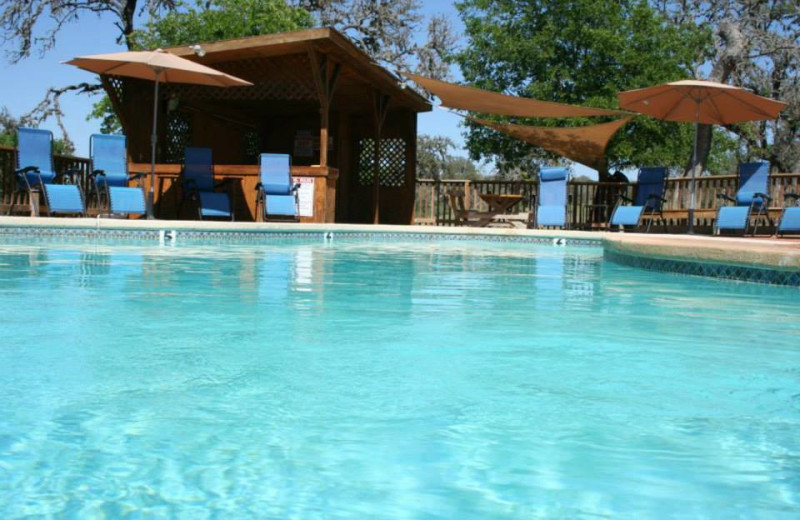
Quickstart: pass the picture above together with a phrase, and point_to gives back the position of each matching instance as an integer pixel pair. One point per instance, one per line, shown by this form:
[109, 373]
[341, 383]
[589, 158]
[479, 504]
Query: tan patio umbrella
[161, 67]
[700, 102]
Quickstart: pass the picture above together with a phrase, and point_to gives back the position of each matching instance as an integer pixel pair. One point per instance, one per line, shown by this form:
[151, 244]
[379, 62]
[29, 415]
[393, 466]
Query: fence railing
[589, 203]
[60, 163]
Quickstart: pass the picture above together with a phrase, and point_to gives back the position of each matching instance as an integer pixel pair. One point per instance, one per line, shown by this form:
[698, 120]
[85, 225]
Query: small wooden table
[499, 204]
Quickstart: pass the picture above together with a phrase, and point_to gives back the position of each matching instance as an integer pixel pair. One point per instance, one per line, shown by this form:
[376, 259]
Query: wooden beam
[380, 109]
[319, 71]
[334, 78]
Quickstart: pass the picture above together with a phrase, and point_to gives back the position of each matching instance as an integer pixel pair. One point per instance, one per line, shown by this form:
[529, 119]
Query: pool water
[385, 379]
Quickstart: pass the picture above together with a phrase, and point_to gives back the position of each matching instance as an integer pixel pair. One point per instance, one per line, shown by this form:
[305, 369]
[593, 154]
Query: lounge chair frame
[24, 187]
[787, 208]
[192, 191]
[100, 189]
[262, 197]
[649, 210]
[757, 208]
[553, 175]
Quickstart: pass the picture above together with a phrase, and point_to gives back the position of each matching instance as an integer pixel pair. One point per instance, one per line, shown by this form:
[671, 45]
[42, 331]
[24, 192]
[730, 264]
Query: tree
[435, 162]
[757, 46]
[8, 133]
[211, 20]
[386, 30]
[21, 20]
[578, 52]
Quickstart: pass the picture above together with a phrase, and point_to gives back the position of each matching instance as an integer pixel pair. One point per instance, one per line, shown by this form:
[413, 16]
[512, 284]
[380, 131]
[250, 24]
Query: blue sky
[24, 84]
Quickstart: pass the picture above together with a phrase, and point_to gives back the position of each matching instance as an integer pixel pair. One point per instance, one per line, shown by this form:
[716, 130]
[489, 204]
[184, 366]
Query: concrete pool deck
[764, 253]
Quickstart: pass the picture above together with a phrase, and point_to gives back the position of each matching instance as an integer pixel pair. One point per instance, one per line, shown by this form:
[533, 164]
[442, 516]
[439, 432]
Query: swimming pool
[388, 379]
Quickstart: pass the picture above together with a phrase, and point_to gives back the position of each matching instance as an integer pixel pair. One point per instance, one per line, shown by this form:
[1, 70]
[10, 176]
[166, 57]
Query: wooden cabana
[349, 125]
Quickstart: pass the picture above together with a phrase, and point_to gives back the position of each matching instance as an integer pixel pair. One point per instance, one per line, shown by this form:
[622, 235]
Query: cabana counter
[317, 190]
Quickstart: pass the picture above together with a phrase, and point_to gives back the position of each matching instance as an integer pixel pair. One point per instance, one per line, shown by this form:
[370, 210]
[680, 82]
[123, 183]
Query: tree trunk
[127, 14]
[733, 53]
[603, 174]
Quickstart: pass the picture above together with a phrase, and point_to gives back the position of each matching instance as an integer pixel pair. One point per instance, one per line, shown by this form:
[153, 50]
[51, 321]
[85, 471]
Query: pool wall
[744, 259]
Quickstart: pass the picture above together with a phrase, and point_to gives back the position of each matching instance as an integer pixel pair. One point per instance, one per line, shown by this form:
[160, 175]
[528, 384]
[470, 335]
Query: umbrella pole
[151, 193]
[690, 231]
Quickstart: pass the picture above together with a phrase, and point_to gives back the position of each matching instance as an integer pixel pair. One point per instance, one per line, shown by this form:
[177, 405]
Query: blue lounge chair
[277, 196]
[751, 198]
[110, 176]
[551, 210]
[648, 200]
[790, 218]
[35, 174]
[197, 180]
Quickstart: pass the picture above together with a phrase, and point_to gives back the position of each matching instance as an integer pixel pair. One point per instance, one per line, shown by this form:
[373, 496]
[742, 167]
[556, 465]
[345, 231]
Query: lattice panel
[392, 162]
[252, 146]
[286, 78]
[366, 162]
[116, 85]
[179, 127]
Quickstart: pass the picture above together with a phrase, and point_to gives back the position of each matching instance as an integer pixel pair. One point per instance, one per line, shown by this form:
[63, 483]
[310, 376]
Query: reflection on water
[389, 380]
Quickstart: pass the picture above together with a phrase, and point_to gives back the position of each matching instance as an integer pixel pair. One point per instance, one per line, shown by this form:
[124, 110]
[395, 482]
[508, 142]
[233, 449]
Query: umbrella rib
[639, 99]
[756, 109]
[114, 67]
[720, 118]
[674, 107]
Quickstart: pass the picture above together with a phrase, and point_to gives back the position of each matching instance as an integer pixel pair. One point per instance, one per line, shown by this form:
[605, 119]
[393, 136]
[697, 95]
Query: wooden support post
[325, 79]
[380, 107]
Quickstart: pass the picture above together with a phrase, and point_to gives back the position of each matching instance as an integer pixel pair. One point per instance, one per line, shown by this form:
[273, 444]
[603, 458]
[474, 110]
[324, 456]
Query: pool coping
[774, 261]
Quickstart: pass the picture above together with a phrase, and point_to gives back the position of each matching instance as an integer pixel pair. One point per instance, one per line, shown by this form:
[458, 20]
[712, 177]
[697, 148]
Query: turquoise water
[383, 380]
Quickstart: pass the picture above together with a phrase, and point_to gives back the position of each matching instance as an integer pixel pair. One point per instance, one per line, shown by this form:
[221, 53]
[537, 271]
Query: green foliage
[8, 133]
[109, 122]
[435, 162]
[214, 20]
[579, 52]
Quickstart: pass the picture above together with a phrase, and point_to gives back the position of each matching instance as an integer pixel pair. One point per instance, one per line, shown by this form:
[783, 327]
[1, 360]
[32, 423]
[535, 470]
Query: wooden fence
[590, 203]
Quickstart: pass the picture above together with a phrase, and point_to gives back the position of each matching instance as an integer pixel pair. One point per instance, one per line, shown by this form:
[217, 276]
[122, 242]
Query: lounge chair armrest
[656, 197]
[23, 178]
[95, 173]
[625, 198]
[259, 186]
[763, 196]
[137, 177]
[295, 187]
[726, 197]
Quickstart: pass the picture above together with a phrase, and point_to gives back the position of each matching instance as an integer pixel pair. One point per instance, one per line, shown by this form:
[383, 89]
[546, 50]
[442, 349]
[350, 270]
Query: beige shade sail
[484, 101]
[695, 101]
[583, 144]
[152, 65]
